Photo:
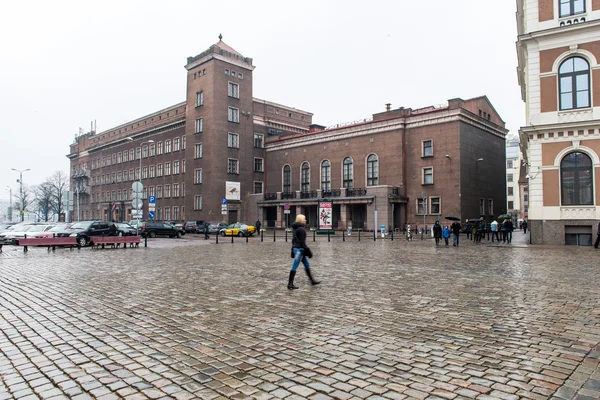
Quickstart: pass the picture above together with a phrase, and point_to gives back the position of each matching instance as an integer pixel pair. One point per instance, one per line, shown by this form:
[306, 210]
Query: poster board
[325, 215]
[232, 190]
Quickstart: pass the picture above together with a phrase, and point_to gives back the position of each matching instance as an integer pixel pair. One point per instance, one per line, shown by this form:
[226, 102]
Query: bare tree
[23, 200]
[44, 197]
[59, 184]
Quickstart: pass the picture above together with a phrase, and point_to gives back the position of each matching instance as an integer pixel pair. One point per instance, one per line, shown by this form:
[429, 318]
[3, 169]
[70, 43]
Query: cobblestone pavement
[392, 320]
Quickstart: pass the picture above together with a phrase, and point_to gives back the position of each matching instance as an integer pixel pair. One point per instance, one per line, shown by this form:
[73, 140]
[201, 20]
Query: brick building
[558, 51]
[410, 165]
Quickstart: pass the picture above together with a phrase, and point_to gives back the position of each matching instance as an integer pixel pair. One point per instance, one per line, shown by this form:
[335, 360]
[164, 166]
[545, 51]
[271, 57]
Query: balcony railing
[270, 196]
[286, 196]
[81, 173]
[331, 193]
[356, 192]
[308, 195]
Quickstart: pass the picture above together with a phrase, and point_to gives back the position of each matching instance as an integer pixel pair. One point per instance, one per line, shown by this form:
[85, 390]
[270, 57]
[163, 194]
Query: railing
[308, 195]
[356, 192]
[331, 193]
[270, 196]
[290, 195]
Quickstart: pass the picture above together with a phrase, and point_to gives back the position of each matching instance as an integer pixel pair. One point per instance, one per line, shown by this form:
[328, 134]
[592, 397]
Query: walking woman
[300, 252]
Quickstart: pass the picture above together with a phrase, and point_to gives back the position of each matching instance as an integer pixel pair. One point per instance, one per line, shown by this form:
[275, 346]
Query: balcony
[308, 195]
[270, 196]
[287, 196]
[81, 173]
[353, 192]
[331, 193]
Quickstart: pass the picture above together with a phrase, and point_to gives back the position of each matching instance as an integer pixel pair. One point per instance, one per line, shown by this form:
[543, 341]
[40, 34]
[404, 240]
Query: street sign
[224, 212]
[286, 211]
[43, 212]
[151, 215]
[224, 201]
[223, 207]
[286, 207]
[137, 214]
[151, 199]
[137, 204]
[137, 187]
[135, 195]
[151, 207]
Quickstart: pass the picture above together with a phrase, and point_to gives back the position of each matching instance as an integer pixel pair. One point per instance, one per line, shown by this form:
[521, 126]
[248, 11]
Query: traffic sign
[151, 207]
[224, 201]
[151, 199]
[137, 214]
[137, 204]
[136, 195]
[43, 212]
[286, 207]
[151, 215]
[137, 187]
[223, 207]
[286, 211]
[224, 212]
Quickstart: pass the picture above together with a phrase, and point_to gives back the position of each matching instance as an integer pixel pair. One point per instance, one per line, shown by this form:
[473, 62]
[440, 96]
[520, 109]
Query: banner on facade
[232, 190]
[325, 215]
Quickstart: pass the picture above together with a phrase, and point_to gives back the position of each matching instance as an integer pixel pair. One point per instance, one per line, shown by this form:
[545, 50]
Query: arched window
[576, 179]
[305, 177]
[348, 173]
[372, 170]
[571, 7]
[574, 83]
[326, 176]
[287, 179]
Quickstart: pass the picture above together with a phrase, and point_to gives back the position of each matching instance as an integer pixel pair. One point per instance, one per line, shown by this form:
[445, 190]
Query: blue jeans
[455, 239]
[509, 236]
[299, 256]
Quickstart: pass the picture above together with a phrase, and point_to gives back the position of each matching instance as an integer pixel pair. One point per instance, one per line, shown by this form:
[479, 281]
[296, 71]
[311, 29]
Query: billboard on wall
[232, 190]
[325, 215]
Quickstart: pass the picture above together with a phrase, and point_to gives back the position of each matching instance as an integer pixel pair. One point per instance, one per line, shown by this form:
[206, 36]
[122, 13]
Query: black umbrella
[453, 218]
[503, 217]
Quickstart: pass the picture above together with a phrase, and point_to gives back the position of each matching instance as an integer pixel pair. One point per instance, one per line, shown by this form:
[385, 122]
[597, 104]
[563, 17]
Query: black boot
[291, 281]
[312, 280]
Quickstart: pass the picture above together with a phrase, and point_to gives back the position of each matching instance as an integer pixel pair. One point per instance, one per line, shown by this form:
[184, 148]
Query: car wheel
[120, 233]
[152, 234]
[83, 241]
[223, 233]
[178, 235]
[240, 234]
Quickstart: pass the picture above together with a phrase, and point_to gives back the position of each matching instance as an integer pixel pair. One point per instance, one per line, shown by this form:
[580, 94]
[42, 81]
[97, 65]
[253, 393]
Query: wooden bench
[51, 243]
[114, 241]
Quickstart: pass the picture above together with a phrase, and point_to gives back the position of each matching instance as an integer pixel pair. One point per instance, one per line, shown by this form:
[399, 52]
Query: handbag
[307, 251]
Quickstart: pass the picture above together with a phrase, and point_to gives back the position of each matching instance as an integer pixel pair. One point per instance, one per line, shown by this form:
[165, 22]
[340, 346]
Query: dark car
[125, 230]
[216, 227]
[154, 229]
[84, 231]
[194, 226]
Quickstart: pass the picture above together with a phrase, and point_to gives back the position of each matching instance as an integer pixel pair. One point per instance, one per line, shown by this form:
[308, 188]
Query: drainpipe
[404, 169]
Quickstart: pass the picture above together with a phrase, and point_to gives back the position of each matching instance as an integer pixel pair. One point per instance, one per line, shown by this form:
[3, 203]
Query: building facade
[265, 158]
[513, 167]
[558, 51]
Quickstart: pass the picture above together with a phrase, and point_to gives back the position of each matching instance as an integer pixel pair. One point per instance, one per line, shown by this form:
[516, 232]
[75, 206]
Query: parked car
[85, 230]
[153, 229]
[216, 227]
[51, 232]
[13, 236]
[6, 226]
[194, 226]
[126, 230]
[238, 229]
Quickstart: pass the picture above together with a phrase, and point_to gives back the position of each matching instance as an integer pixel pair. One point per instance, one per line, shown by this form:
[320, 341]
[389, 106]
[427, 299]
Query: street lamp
[22, 210]
[10, 204]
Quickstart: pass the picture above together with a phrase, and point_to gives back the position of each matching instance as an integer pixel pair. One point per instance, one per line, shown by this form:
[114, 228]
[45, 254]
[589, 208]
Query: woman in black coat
[300, 252]
[437, 232]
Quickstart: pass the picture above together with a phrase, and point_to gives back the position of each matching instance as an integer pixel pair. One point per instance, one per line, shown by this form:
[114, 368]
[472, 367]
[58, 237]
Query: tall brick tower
[219, 133]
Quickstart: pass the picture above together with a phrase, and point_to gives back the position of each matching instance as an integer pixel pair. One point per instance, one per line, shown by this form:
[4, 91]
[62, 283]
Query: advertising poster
[325, 215]
[232, 190]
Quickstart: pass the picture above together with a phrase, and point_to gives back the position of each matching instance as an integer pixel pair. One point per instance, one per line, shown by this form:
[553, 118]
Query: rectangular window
[490, 207]
[259, 140]
[176, 144]
[144, 193]
[198, 152]
[421, 206]
[326, 176]
[183, 166]
[183, 142]
[152, 171]
[159, 148]
[233, 140]
[436, 205]
[427, 148]
[145, 173]
[138, 153]
[481, 207]
[525, 197]
[152, 192]
[176, 190]
[145, 152]
[197, 202]
[176, 213]
[258, 164]
[571, 7]
[168, 168]
[232, 166]
[510, 191]
[198, 125]
[198, 176]
[258, 187]
[182, 189]
[119, 177]
[509, 164]
[509, 177]
[114, 159]
[108, 161]
[152, 149]
[131, 178]
[119, 195]
[233, 115]
[103, 161]
[167, 191]
[511, 205]
[167, 146]
[233, 90]
[428, 176]
[175, 167]
[159, 192]
[113, 177]
[159, 170]
[131, 155]
[119, 157]
[137, 174]
[199, 99]
[167, 212]
[125, 159]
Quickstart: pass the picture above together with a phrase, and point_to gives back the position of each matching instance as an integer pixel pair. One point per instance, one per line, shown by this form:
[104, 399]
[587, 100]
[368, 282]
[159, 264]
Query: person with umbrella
[494, 229]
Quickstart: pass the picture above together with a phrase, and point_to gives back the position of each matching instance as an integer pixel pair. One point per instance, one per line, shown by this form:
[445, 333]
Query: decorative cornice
[216, 56]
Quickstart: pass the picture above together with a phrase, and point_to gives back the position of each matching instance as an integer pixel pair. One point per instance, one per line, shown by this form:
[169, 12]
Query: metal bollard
[286, 235]
[231, 237]
[261, 235]
[54, 237]
[392, 235]
[25, 247]
[217, 236]
[247, 238]
[314, 235]
[375, 235]
[146, 241]
[274, 230]
[359, 235]
[343, 237]
[328, 236]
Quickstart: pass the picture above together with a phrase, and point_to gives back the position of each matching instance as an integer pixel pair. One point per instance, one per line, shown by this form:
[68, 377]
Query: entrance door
[233, 216]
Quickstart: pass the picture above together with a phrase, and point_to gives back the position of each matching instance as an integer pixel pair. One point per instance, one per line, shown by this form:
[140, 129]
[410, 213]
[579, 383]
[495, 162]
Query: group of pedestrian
[444, 232]
[478, 229]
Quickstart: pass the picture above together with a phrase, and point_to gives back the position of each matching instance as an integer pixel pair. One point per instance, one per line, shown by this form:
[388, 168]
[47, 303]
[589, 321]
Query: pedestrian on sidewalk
[437, 232]
[509, 230]
[257, 225]
[597, 237]
[480, 230]
[494, 229]
[525, 224]
[446, 234]
[300, 252]
[468, 228]
[206, 235]
[503, 231]
[455, 228]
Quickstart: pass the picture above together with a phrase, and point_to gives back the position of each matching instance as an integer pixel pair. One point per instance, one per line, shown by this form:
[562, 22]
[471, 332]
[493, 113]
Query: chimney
[388, 106]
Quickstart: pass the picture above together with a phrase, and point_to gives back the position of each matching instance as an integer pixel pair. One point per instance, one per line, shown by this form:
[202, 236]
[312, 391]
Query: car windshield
[80, 225]
[123, 226]
[58, 228]
[37, 228]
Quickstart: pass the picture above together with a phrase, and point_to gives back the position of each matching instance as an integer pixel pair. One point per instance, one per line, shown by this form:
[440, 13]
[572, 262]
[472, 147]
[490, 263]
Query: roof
[227, 47]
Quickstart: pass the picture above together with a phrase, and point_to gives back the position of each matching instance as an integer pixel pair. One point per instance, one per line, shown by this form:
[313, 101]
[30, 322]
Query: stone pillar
[343, 223]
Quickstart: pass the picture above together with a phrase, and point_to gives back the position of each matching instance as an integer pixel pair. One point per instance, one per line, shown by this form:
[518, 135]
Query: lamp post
[140, 180]
[424, 212]
[22, 206]
[9, 204]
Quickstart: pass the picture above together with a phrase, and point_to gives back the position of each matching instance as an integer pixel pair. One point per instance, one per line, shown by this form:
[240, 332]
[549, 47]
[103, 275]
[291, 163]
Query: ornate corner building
[558, 51]
[271, 162]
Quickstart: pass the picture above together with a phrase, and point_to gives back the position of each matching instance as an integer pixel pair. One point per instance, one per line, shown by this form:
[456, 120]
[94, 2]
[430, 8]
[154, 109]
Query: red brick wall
[548, 94]
[546, 10]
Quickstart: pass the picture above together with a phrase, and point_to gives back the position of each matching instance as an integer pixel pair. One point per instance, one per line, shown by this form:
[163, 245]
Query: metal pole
[10, 211]
[424, 212]
[22, 212]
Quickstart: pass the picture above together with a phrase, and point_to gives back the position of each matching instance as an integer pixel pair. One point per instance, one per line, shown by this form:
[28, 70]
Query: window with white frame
[137, 174]
[287, 179]
[119, 177]
[176, 144]
[197, 202]
[509, 163]
[233, 140]
[159, 148]
[152, 171]
[176, 213]
[305, 177]
[232, 166]
[481, 206]
[574, 83]
[258, 164]
[421, 206]
[198, 125]
[372, 170]
[159, 170]
[326, 176]
[435, 205]
[258, 187]
[167, 191]
[145, 151]
[167, 212]
[571, 7]
[152, 149]
[131, 156]
[259, 140]
[138, 153]
[199, 99]
[159, 192]
[183, 166]
[167, 168]
[428, 176]
[125, 159]
[182, 189]
[509, 177]
[167, 146]
[175, 167]
[184, 142]
[233, 115]
[176, 190]
[490, 206]
[145, 173]
[233, 90]
[152, 191]
[427, 148]
[348, 173]
[131, 177]
[144, 193]
[198, 151]
[119, 157]
[198, 176]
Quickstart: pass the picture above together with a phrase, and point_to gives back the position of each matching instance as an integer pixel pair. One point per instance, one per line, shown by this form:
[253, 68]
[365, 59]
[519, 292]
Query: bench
[51, 243]
[115, 241]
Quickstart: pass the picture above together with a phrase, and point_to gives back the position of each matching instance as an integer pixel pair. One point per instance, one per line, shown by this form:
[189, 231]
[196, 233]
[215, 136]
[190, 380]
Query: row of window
[147, 150]
[234, 74]
[433, 206]
[122, 195]
[347, 174]
[151, 171]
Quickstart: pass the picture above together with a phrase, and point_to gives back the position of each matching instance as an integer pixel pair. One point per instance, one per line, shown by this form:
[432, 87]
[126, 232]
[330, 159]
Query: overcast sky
[66, 63]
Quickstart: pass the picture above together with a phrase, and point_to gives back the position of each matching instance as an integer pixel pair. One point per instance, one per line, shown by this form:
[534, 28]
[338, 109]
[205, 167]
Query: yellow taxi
[238, 229]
